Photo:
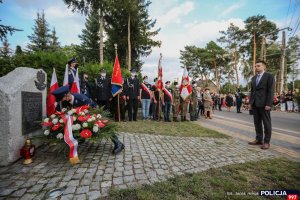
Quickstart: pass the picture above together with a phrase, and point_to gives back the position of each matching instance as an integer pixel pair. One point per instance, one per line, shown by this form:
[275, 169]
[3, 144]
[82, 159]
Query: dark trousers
[238, 106]
[154, 111]
[262, 116]
[220, 107]
[115, 109]
[167, 110]
[132, 109]
[104, 103]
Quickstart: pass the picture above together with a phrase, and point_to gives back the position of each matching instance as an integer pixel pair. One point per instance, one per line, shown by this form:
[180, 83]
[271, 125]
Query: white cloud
[174, 15]
[195, 33]
[232, 8]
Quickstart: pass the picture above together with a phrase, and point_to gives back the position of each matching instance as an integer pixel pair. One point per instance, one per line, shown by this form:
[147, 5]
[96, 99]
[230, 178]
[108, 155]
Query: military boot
[118, 145]
[175, 119]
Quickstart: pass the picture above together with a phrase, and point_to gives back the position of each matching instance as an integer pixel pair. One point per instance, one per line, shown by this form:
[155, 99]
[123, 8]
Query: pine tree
[54, 44]
[89, 47]
[19, 50]
[5, 51]
[39, 40]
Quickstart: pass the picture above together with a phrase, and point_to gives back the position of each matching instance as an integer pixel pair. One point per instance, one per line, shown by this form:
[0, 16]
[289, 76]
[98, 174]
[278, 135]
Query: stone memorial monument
[23, 95]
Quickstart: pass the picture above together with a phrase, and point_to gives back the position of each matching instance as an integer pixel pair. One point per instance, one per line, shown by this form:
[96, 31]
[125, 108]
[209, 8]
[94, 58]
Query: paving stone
[19, 193]
[82, 190]
[70, 190]
[93, 195]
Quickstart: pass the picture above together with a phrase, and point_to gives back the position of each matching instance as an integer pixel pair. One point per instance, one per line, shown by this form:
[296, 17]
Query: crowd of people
[285, 102]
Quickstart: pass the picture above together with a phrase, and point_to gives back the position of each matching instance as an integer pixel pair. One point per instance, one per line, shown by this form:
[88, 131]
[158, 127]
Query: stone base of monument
[23, 94]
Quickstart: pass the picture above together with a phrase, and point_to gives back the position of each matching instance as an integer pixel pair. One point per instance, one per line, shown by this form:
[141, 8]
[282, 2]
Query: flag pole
[159, 93]
[119, 119]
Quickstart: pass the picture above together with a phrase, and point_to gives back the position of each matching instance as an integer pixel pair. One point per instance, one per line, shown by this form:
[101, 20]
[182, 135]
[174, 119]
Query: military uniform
[193, 105]
[103, 91]
[168, 101]
[176, 104]
[184, 106]
[132, 97]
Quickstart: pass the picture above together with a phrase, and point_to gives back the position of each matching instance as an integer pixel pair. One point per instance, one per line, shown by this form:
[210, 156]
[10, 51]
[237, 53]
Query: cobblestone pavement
[146, 159]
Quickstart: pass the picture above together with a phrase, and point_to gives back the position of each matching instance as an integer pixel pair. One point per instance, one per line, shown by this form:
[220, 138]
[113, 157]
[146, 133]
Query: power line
[296, 5]
[296, 27]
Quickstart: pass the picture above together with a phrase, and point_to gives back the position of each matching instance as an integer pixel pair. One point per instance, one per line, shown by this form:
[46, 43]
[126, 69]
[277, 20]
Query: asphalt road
[285, 134]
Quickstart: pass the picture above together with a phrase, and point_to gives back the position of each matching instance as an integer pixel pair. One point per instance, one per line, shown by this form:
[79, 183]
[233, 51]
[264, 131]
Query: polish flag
[159, 83]
[75, 86]
[185, 87]
[66, 76]
[51, 101]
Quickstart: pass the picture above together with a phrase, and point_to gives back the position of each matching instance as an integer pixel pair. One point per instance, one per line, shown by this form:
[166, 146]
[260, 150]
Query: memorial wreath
[77, 124]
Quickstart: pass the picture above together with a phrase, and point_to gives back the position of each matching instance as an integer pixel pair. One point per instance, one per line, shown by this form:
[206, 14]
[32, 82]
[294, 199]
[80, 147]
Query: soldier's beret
[167, 82]
[155, 79]
[60, 92]
[175, 83]
[193, 82]
[145, 77]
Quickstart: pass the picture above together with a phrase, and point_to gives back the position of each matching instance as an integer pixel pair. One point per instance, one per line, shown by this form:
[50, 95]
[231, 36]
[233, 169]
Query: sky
[182, 22]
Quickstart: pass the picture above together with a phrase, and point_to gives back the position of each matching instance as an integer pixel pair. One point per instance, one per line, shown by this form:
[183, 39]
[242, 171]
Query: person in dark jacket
[103, 90]
[132, 95]
[229, 101]
[261, 99]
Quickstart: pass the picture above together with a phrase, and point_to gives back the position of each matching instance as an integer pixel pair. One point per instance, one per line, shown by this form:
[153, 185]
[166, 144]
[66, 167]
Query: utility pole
[281, 79]
[254, 54]
[101, 45]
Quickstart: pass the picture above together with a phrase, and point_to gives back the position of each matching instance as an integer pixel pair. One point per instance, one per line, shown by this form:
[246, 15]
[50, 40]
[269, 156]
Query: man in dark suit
[132, 95]
[261, 99]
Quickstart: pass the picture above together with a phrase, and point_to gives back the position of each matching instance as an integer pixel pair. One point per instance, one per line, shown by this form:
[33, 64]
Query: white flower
[55, 121]
[46, 132]
[78, 126]
[95, 129]
[81, 113]
[46, 120]
[86, 111]
[89, 120]
[85, 124]
[93, 118]
[61, 121]
[74, 127]
[60, 136]
[53, 116]
[64, 110]
[74, 118]
[74, 110]
[70, 112]
[99, 116]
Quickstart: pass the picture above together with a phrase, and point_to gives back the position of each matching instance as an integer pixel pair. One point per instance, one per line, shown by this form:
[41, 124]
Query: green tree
[89, 47]
[18, 50]
[40, 39]
[293, 56]
[54, 44]
[5, 58]
[255, 28]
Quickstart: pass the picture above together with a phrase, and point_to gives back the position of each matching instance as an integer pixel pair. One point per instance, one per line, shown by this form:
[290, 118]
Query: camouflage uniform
[176, 102]
[193, 105]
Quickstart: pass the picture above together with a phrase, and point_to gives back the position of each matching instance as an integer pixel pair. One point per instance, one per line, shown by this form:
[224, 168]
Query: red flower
[83, 118]
[56, 127]
[81, 109]
[100, 124]
[86, 133]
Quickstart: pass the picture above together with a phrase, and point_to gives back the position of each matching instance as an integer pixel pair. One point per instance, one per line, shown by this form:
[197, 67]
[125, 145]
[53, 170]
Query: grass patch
[270, 174]
[184, 129]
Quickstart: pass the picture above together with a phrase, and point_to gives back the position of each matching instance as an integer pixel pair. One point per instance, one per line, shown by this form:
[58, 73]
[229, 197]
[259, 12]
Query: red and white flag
[75, 85]
[66, 76]
[185, 87]
[159, 83]
[51, 100]
[70, 140]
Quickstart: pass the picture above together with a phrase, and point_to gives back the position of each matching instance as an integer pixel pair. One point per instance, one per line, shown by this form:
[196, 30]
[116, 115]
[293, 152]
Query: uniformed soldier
[167, 101]
[133, 95]
[194, 101]
[103, 90]
[65, 99]
[72, 69]
[85, 87]
[176, 102]
[184, 106]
